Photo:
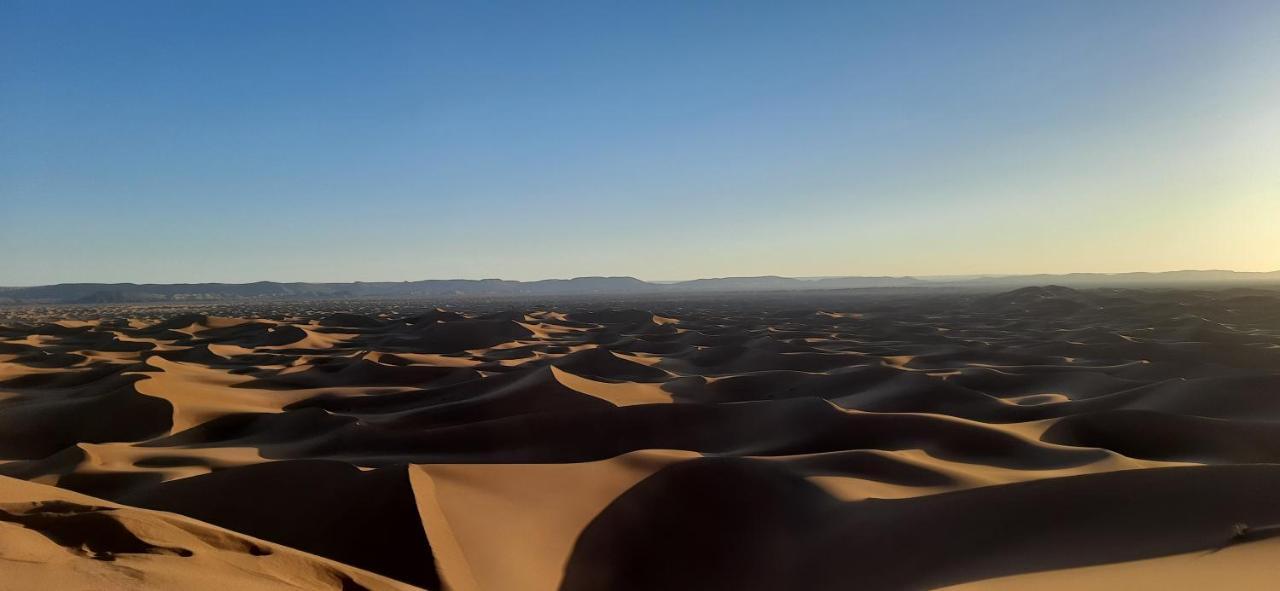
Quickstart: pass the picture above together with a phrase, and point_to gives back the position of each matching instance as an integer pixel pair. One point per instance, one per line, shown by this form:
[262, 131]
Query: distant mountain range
[583, 286]
[1163, 279]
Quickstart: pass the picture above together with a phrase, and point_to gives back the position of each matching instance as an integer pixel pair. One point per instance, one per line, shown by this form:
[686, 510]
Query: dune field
[1041, 438]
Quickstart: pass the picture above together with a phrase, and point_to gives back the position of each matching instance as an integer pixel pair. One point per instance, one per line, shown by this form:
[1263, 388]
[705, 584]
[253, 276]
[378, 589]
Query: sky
[236, 141]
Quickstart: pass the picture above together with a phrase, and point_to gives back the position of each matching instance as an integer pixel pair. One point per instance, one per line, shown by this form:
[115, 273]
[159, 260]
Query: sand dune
[57, 539]
[1039, 438]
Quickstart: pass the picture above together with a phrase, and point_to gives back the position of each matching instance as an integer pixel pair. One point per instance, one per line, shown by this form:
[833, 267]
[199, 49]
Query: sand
[1044, 438]
[52, 538]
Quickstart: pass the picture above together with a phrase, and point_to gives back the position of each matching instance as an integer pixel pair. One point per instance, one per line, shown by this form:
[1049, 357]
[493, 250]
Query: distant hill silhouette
[586, 286]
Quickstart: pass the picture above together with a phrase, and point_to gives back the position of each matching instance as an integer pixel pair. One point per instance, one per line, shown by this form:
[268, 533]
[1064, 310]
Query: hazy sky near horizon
[237, 141]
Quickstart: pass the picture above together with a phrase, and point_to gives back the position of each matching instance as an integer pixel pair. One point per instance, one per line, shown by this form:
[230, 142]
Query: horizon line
[959, 276]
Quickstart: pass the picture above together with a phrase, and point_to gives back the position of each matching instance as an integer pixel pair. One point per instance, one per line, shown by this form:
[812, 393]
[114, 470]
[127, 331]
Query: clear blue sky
[236, 141]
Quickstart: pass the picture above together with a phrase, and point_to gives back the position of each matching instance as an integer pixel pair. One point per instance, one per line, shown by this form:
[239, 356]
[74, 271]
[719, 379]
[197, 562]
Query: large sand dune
[1040, 438]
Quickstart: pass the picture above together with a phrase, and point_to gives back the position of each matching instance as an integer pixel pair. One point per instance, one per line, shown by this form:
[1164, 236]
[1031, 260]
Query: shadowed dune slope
[704, 524]
[366, 519]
